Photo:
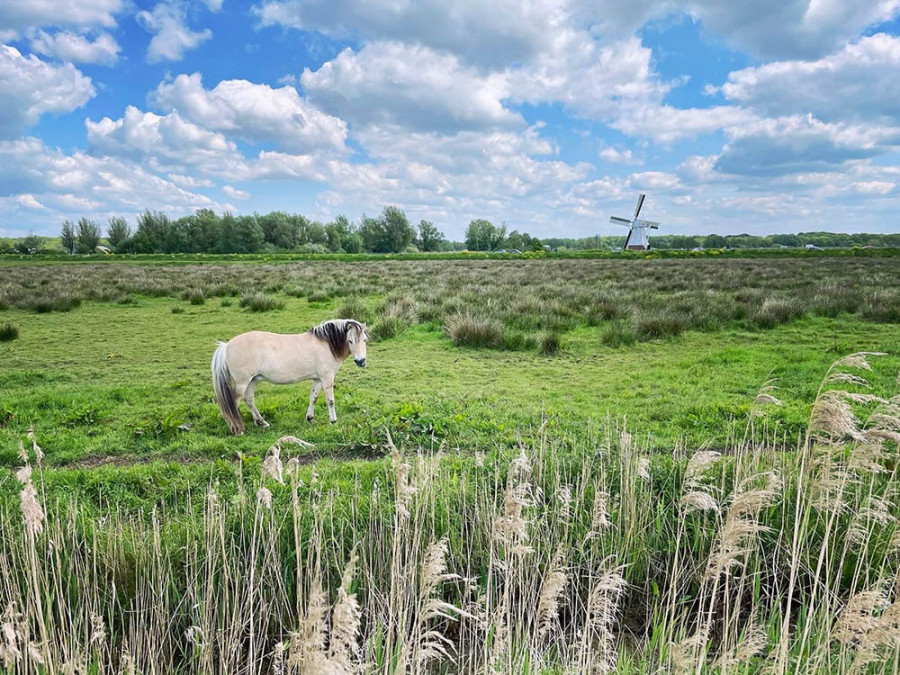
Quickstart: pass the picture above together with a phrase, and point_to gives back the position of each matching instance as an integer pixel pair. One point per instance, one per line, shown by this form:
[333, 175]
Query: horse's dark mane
[334, 332]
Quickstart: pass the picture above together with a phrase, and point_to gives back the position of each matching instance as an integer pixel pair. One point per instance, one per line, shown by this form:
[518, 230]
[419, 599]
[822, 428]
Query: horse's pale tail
[221, 378]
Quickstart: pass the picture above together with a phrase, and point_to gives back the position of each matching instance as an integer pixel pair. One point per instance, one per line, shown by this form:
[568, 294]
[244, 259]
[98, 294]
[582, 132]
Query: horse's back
[278, 357]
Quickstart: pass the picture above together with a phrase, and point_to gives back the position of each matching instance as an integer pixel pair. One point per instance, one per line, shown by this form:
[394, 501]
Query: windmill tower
[638, 238]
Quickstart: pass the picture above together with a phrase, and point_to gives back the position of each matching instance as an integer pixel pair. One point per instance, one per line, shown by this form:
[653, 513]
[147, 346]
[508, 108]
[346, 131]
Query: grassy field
[588, 426]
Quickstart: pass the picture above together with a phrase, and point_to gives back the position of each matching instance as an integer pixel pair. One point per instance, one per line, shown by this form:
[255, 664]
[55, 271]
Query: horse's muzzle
[360, 362]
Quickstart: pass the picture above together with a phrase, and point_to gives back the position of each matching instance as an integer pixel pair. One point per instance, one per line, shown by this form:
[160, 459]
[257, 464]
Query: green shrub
[8, 332]
[258, 302]
[226, 302]
[471, 330]
[518, 342]
[177, 310]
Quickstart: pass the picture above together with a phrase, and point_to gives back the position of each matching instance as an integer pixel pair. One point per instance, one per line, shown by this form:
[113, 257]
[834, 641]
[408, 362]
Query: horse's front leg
[313, 397]
[329, 399]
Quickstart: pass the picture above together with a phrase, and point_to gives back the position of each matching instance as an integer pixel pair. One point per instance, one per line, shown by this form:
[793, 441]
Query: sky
[547, 115]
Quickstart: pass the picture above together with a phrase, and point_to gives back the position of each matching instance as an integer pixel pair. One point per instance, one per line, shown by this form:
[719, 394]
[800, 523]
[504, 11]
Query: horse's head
[357, 336]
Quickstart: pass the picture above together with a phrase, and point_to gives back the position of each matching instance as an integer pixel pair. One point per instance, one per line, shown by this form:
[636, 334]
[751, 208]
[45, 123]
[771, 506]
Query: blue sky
[548, 115]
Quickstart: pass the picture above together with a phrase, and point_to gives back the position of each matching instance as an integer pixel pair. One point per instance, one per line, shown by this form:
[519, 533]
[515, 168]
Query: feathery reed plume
[699, 463]
[764, 398]
[599, 514]
[857, 360]
[264, 497]
[9, 650]
[272, 466]
[698, 500]
[430, 643]
[602, 610]
[553, 587]
[345, 619]
[832, 418]
[32, 512]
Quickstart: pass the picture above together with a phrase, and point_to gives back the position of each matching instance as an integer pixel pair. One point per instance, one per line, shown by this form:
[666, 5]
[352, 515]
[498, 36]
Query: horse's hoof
[310, 418]
[263, 424]
[237, 432]
[333, 421]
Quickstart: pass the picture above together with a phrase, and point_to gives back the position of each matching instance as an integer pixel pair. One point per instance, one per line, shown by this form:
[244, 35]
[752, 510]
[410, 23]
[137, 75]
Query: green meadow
[590, 423]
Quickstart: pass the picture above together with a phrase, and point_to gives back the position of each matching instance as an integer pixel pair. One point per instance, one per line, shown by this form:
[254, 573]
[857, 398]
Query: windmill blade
[651, 224]
[640, 203]
[619, 221]
[627, 239]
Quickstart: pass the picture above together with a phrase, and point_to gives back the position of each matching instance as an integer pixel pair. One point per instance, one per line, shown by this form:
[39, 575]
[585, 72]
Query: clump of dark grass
[658, 324]
[196, 296]
[127, 300]
[618, 334]
[8, 332]
[226, 302]
[776, 311]
[177, 310]
[295, 291]
[472, 330]
[550, 343]
[258, 302]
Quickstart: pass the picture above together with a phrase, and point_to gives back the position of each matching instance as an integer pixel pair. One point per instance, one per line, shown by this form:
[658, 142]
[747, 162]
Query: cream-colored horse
[237, 365]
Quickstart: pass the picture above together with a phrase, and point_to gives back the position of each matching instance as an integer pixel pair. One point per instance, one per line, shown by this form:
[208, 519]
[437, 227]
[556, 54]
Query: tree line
[390, 232]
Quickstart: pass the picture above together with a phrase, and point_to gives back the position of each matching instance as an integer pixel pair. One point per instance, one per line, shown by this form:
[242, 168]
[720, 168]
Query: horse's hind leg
[248, 399]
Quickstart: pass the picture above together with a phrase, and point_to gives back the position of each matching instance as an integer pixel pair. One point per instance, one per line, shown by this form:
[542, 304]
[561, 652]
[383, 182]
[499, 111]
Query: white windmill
[638, 238]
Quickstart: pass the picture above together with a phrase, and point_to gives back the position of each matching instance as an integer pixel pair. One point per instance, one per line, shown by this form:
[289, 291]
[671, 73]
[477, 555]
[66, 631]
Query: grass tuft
[8, 332]
[258, 302]
[471, 330]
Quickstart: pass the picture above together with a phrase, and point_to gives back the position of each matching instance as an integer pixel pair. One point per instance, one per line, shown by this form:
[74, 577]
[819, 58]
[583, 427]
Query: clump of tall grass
[258, 302]
[776, 311]
[882, 306]
[550, 343]
[652, 325]
[8, 332]
[194, 295]
[354, 307]
[618, 334]
[471, 330]
[62, 301]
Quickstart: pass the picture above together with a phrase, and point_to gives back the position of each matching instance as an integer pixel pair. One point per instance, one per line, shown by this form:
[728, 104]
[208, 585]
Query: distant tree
[389, 233]
[515, 240]
[178, 236]
[316, 234]
[483, 235]
[205, 227]
[714, 241]
[342, 236]
[397, 229]
[280, 230]
[117, 231]
[67, 237]
[152, 232]
[88, 234]
[429, 238]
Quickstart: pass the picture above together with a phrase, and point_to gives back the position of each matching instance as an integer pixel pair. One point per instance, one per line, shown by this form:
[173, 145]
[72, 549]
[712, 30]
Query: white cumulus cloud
[31, 87]
[22, 15]
[171, 35]
[253, 112]
[410, 86]
[66, 46]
